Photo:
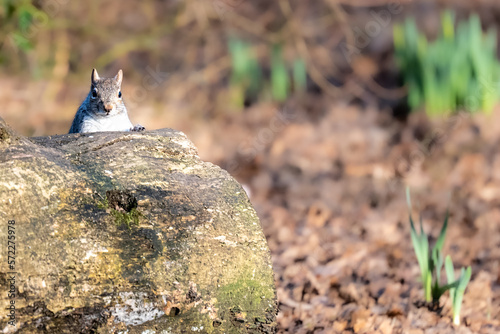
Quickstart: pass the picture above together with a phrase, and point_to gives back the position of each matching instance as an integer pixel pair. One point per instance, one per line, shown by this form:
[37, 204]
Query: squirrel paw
[138, 128]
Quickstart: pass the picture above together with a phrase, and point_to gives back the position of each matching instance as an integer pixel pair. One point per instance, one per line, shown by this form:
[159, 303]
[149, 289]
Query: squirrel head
[105, 97]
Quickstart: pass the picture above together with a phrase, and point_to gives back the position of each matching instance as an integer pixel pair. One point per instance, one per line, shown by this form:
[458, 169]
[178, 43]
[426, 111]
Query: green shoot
[457, 70]
[430, 263]
[457, 292]
[247, 78]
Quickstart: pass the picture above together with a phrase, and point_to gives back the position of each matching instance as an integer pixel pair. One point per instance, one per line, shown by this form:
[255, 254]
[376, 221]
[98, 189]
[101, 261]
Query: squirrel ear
[95, 76]
[119, 77]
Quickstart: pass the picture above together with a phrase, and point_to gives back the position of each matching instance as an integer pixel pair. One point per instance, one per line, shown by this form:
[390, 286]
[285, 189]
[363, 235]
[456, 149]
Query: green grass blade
[420, 251]
[442, 234]
[465, 279]
[457, 308]
[421, 248]
[450, 274]
[425, 266]
[421, 225]
[459, 294]
[457, 288]
[437, 263]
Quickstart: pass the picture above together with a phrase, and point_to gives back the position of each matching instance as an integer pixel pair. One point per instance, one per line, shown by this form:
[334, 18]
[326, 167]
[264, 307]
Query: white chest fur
[119, 122]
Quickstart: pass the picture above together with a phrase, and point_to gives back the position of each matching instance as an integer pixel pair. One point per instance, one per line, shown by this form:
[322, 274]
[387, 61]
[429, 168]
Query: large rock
[128, 233]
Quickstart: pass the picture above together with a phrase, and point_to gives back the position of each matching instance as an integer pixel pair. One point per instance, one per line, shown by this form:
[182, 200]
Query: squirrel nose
[108, 107]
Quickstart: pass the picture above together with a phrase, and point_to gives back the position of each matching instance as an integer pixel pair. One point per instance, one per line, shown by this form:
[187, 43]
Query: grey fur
[104, 112]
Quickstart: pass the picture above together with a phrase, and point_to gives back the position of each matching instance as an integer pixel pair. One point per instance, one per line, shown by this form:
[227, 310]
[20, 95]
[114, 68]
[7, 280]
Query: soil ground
[330, 192]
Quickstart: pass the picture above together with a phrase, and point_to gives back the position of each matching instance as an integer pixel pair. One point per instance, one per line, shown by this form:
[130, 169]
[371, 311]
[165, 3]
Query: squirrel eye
[120, 94]
[94, 93]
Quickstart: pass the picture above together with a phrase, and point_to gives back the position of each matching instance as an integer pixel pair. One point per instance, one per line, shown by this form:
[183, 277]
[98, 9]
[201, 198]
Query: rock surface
[128, 233]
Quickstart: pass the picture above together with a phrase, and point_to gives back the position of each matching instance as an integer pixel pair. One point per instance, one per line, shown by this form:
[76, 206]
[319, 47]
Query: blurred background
[324, 110]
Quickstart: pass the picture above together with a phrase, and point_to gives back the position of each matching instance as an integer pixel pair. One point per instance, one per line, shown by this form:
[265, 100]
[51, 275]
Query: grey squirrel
[103, 108]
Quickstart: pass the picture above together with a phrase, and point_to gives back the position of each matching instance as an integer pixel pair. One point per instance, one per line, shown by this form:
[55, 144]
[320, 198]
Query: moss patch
[244, 302]
[126, 218]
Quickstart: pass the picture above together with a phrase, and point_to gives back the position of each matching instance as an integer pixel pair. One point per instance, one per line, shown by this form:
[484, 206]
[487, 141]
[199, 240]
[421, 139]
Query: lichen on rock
[132, 233]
